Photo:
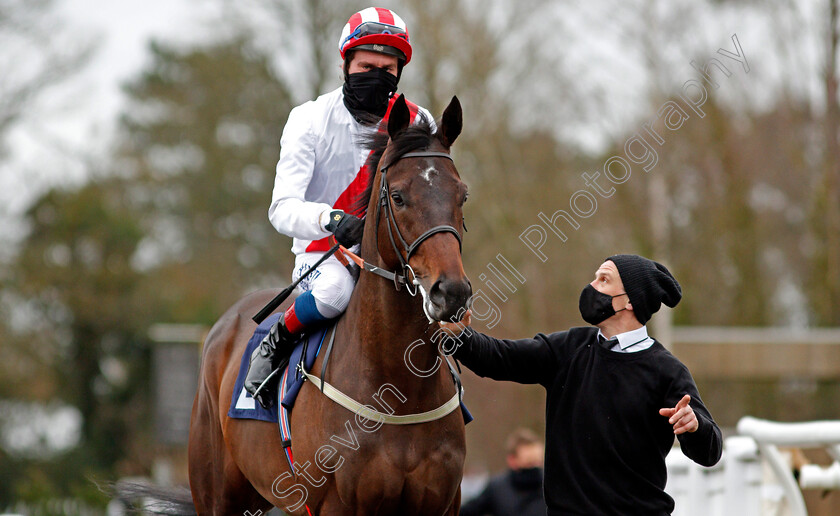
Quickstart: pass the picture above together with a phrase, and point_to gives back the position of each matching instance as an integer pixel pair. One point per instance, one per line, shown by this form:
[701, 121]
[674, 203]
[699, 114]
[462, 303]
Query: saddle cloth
[242, 405]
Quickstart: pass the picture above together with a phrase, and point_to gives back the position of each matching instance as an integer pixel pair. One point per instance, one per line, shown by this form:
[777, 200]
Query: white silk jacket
[318, 170]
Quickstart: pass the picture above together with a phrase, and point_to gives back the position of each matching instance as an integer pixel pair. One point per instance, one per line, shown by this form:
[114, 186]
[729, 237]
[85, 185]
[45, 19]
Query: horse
[345, 463]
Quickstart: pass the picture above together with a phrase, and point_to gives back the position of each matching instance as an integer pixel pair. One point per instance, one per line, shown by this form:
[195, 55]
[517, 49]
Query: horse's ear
[451, 123]
[399, 117]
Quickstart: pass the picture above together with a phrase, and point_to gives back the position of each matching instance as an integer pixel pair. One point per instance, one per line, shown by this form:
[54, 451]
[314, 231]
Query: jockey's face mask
[368, 92]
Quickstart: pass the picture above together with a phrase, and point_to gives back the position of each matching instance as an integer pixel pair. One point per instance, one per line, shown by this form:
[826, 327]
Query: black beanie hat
[648, 284]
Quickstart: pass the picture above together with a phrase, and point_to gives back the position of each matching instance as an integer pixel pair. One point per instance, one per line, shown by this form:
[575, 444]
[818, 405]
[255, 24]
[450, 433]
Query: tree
[36, 56]
[825, 280]
[74, 272]
[173, 230]
[199, 144]
[35, 48]
[301, 36]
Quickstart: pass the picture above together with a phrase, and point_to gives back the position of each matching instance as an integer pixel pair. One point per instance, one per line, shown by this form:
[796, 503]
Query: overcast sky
[76, 119]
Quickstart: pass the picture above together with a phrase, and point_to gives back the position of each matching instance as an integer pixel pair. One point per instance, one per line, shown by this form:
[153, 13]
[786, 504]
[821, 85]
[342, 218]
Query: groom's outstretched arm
[529, 360]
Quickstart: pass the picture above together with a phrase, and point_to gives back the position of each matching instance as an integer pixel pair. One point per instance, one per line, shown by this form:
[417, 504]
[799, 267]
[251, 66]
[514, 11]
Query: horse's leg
[217, 485]
[256, 447]
[455, 508]
[202, 475]
[255, 450]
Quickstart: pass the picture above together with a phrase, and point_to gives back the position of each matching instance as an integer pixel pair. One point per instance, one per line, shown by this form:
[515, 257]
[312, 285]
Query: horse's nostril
[450, 294]
[437, 292]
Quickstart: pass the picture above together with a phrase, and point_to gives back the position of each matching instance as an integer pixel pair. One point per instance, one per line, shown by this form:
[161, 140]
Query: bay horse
[346, 464]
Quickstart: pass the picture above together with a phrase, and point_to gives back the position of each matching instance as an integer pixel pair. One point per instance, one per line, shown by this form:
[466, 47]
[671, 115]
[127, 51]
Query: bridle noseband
[384, 205]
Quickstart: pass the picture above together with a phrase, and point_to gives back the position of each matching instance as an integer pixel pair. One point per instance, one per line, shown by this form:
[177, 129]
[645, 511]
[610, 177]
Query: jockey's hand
[346, 228]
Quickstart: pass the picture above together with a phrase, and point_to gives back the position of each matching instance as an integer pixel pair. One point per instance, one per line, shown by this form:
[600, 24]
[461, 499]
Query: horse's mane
[415, 137]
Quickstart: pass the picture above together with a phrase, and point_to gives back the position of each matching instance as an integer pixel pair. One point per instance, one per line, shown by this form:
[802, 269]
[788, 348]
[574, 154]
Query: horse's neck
[381, 323]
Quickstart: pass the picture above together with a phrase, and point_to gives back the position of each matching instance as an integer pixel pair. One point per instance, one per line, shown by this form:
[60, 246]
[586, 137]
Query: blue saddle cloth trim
[247, 407]
[466, 413]
[294, 378]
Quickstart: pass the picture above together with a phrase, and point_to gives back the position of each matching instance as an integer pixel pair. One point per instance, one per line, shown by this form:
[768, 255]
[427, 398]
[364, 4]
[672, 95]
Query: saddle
[242, 405]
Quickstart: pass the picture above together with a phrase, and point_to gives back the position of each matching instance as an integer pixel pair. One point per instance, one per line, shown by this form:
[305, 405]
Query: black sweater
[605, 440]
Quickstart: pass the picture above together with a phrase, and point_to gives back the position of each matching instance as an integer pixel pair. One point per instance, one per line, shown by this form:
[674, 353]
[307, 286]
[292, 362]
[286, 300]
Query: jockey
[320, 173]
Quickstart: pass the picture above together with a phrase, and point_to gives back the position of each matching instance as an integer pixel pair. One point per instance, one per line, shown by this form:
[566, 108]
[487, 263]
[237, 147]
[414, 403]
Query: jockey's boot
[273, 351]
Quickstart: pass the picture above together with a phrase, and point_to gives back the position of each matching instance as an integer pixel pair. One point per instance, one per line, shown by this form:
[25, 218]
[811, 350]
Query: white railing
[755, 478]
[769, 435]
[733, 487]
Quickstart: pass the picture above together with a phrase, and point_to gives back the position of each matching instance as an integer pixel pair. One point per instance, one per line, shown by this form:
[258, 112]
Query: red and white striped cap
[378, 30]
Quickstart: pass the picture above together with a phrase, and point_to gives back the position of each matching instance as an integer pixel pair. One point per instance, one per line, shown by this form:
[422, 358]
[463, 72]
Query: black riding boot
[274, 349]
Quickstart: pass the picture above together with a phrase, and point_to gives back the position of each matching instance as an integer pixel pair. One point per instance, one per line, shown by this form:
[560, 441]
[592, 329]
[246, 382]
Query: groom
[615, 396]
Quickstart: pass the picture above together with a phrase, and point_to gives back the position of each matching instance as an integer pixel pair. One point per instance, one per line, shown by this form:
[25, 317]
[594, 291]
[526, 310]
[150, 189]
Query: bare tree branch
[45, 59]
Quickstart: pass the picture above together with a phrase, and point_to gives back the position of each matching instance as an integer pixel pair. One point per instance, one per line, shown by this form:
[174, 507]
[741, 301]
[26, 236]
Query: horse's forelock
[418, 136]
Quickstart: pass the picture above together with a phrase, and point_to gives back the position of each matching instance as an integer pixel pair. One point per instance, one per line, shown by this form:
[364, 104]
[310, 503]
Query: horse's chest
[410, 476]
[423, 451]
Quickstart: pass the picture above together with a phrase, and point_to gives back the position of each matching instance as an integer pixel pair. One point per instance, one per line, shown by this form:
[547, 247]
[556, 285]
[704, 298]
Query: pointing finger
[680, 414]
[681, 429]
[686, 424]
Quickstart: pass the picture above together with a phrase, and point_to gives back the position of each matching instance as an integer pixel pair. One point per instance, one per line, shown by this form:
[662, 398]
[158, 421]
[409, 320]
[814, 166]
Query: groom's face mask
[596, 307]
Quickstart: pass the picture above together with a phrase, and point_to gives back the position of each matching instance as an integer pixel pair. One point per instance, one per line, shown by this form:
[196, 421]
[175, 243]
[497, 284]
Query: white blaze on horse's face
[427, 174]
[425, 207]
[441, 280]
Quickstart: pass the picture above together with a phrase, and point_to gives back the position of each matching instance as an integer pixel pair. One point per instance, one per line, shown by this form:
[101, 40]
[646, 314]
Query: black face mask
[368, 92]
[596, 307]
[528, 477]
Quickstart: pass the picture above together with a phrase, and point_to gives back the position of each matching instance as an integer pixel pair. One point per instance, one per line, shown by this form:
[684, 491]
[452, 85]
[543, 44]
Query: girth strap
[374, 415]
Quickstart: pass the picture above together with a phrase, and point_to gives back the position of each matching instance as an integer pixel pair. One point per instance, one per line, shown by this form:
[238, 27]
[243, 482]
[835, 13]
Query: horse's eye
[397, 198]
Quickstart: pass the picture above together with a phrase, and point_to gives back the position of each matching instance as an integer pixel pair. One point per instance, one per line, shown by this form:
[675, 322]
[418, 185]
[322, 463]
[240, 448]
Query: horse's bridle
[384, 205]
[399, 280]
